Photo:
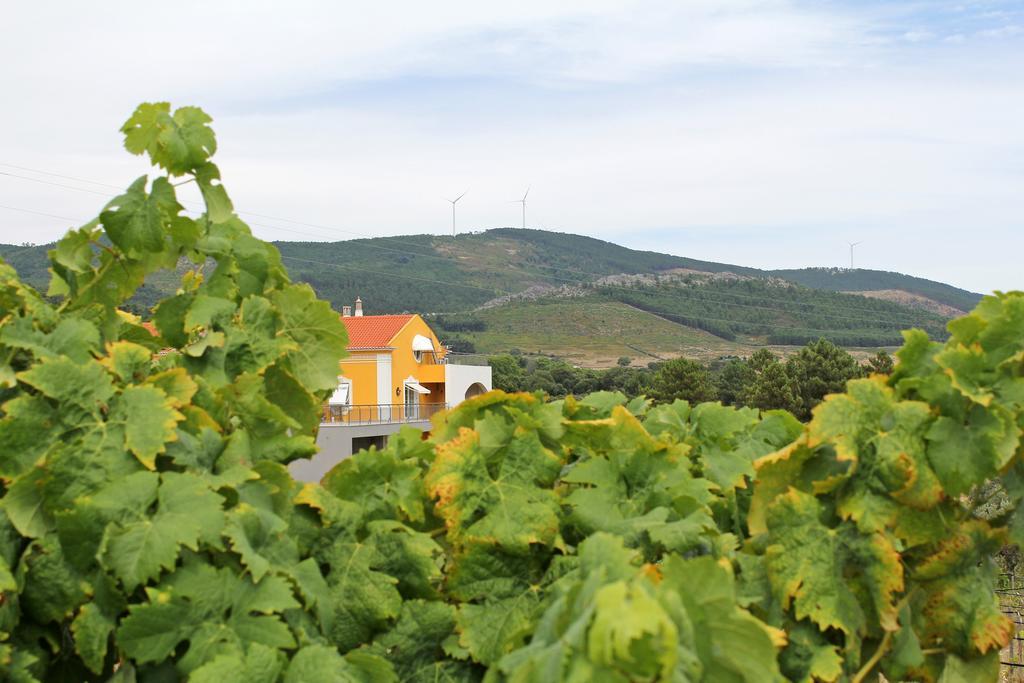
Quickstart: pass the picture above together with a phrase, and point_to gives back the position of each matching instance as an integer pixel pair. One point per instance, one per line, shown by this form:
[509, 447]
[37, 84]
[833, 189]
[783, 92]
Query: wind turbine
[452, 202]
[852, 245]
[523, 202]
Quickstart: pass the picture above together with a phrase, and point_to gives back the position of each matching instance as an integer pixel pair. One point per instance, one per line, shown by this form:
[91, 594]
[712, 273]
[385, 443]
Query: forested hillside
[506, 267]
[858, 280]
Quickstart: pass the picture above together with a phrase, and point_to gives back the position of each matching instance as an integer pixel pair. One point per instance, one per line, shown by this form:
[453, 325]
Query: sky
[765, 133]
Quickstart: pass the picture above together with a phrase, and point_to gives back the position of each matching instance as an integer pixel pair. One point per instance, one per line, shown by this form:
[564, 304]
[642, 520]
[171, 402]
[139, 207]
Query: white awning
[417, 387]
[340, 395]
[421, 343]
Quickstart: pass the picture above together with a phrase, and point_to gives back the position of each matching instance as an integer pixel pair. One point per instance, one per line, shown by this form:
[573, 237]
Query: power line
[512, 269]
[47, 182]
[248, 213]
[40, 213]
[58, 175]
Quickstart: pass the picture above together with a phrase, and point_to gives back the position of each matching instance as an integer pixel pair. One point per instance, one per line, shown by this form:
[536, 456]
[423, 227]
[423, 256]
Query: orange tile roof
[373, 331]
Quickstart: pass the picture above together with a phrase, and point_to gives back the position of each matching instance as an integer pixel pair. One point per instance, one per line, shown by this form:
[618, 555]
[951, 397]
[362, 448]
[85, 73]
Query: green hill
[508, 271]
[858, 280]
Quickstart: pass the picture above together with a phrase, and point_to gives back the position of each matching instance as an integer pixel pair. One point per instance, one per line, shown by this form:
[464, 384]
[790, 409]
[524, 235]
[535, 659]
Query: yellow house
[397, 373]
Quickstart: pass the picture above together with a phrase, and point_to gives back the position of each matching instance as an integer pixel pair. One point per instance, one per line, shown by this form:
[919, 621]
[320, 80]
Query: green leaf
[414, 645]
[24, 504]
[261, 538]
[906, 653]
[362, 599]
[177, 384]
[964, 455]
[92, 630]
[72, 337]
[258, 664]
[318, 335]
[808, 656]
[136, 221]
[599, 404]
[207, 311]
[506, 592]
[191, 142]
[321, 664]
[86, 386]
[253, 345]
[143, 127]
[74, 250]
[959, 670]
[727, 441]
[178, 143]
[708, 591]
[26, 433]
[53, 590]
[149, 418]
[382, 484]
[213, 609]
[636, 485]
[218, 205]
[169, 318]
[628, 620]
[495, 627]
[18, 664]
[410, 556]
[152, 630]
[187, 512]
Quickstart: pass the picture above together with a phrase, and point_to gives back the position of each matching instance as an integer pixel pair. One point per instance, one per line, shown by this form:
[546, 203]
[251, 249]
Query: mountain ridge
[456, 277]
[615, 259]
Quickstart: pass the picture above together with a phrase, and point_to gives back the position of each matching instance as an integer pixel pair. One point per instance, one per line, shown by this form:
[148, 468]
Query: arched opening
[475, 389]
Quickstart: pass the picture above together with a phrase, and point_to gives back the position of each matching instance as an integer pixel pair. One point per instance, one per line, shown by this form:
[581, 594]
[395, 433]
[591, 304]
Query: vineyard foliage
[151, 531]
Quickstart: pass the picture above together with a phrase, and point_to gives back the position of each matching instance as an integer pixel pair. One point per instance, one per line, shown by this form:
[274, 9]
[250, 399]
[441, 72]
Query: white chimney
[346, 311]
[359, 307]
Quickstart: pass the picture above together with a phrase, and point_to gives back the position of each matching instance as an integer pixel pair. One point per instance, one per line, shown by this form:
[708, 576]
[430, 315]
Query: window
[413, 391]
[340, 401]
[412, 403]
[421, 345]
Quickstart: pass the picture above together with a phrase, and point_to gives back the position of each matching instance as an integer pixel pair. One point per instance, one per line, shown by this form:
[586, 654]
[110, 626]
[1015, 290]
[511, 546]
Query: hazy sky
[763, 133]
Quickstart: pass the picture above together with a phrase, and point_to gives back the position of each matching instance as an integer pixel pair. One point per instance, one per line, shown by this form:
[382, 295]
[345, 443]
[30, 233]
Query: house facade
[397, 373]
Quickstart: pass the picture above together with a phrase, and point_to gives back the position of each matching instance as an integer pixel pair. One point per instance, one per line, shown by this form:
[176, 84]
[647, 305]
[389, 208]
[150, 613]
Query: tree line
[764, 380]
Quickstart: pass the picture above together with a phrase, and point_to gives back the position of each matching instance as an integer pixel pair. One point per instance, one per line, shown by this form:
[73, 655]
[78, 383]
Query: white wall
[459, 378]
[335, 443]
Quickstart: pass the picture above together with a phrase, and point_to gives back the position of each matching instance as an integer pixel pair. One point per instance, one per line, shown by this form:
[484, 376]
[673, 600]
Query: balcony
[475, 359]
[380, 413]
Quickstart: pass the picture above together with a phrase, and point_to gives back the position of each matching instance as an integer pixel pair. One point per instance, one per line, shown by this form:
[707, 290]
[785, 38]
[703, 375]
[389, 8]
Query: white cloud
[918, 36]
[1002, 32]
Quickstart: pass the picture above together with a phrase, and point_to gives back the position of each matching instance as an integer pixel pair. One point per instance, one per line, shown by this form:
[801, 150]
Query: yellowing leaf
[513, 507]
[128, 362]
[149, 418]
[810, 564]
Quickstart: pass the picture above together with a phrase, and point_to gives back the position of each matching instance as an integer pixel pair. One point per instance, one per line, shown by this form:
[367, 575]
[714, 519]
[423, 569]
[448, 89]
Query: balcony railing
[466, 359]
[381, 413]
